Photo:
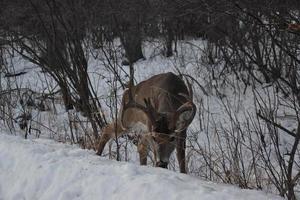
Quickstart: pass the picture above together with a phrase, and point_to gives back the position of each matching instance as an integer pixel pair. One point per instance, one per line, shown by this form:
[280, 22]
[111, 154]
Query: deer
[161, 108]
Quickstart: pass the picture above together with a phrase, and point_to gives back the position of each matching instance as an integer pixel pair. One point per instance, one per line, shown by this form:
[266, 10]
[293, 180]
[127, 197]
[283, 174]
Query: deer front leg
[143, 150]
[180, 149]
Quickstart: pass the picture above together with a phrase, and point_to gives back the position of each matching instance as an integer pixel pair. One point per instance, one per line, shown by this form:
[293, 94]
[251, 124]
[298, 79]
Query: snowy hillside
[43, 169]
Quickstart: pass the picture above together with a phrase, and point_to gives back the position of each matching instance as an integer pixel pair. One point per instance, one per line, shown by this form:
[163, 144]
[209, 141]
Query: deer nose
[162, 164]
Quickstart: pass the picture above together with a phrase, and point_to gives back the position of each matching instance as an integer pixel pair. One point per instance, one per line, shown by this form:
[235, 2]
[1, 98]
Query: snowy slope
[43, 169]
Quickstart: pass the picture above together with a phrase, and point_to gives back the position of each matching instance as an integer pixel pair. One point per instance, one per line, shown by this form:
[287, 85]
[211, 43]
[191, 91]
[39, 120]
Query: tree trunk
[169, 39]
[132, 42]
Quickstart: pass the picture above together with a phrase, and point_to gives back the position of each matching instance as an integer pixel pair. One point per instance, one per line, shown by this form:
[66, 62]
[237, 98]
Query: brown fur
[166, 93]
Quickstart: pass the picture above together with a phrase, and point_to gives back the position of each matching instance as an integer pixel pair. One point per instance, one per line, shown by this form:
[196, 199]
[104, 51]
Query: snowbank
[43, 169]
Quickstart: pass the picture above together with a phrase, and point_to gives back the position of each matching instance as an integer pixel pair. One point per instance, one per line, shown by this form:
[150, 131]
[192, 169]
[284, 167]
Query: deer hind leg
[103, 140]
[180, 149]
[108, 132]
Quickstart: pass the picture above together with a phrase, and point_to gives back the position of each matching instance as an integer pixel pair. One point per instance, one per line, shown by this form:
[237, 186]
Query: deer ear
[184, 116]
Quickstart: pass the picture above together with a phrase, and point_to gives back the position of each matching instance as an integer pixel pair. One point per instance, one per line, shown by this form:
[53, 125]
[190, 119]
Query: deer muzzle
[162, 164]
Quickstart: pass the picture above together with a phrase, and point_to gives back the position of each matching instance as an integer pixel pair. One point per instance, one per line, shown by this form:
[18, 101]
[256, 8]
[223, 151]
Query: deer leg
[103, 140]
[109, 132]
[180, 149]
[143, 150]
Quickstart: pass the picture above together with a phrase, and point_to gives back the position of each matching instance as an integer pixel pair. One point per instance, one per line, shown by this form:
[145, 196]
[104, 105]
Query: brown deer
[158, 111]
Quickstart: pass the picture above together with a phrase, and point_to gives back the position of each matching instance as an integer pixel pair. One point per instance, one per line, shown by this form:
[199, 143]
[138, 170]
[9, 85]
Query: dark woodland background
[256, 40]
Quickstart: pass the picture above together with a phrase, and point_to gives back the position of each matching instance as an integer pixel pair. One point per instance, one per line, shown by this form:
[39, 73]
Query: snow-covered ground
[43, 169]
[226, 110]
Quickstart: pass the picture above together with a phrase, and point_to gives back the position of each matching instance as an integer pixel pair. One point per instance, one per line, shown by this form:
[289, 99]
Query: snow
[43, 169]
[217, 125]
